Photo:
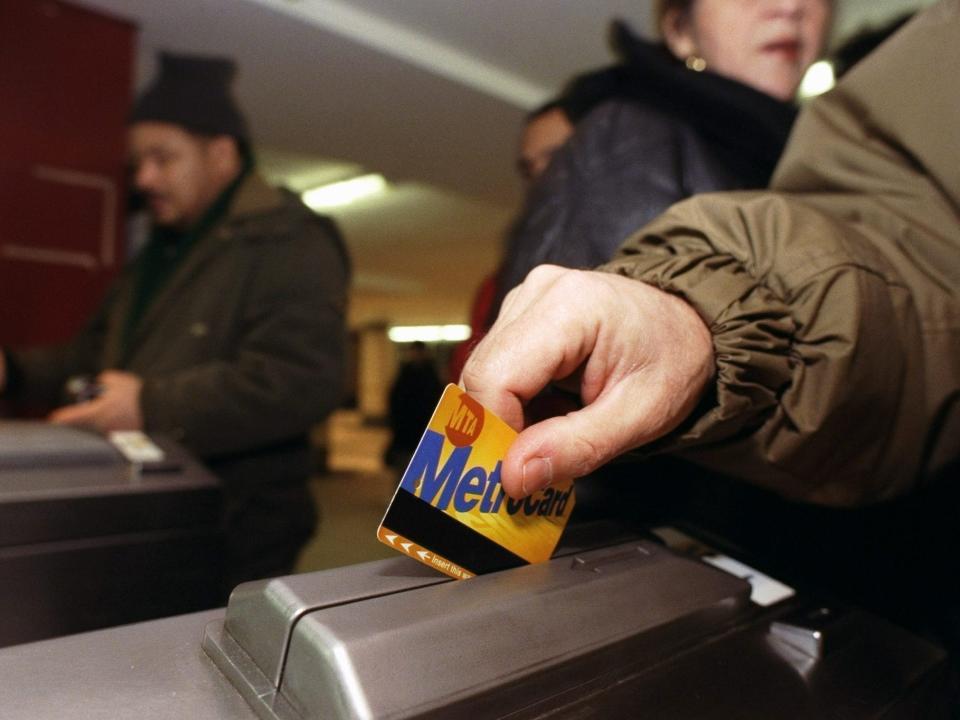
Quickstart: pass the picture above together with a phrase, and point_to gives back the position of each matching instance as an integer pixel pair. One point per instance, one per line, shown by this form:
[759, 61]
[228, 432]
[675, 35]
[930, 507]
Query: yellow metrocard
[450, 511]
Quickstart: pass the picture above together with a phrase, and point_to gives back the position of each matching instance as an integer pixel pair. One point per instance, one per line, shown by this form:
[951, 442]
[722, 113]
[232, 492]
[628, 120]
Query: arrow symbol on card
[423, 554]
[406, 547]
[390, 538]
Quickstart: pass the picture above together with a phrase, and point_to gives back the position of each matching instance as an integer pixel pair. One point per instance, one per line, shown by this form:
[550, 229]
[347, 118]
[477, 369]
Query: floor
[352, 496]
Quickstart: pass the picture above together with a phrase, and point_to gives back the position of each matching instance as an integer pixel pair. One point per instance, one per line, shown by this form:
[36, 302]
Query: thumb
[78, 414]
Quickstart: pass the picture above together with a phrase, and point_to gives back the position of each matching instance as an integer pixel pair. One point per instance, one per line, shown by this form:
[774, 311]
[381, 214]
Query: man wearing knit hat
[227, 332]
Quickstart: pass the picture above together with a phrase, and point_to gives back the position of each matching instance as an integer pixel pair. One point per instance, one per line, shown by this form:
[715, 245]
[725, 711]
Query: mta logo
[465, 422]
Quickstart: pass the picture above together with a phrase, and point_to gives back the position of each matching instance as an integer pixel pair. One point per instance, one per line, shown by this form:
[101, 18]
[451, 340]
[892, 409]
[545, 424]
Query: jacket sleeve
[812, 338]
[833, 302]
[36, 376]
[287, 370]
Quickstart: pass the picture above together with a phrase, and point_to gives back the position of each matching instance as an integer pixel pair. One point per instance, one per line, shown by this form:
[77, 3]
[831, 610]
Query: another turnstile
[90, 540]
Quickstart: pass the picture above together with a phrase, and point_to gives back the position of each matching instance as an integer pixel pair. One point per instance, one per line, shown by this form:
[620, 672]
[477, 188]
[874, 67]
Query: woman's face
[767, 44]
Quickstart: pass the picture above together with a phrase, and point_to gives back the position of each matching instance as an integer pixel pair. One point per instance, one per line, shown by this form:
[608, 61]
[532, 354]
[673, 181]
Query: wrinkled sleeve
[812, 337]
[287, 370]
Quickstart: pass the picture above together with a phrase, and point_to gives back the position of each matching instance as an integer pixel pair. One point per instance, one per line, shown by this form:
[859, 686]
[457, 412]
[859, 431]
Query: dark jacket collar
[254, 197]
[747, 128]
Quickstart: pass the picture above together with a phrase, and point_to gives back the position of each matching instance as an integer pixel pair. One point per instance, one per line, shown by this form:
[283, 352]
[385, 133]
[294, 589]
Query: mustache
[152, 197]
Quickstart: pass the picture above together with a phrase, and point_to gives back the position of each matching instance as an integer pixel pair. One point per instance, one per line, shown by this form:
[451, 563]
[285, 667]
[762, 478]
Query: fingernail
[537, 474]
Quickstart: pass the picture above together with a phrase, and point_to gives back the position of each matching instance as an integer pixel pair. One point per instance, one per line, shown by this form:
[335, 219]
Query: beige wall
[376, 366]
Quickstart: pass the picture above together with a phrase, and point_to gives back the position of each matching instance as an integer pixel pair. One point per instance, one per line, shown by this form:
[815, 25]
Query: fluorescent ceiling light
[416, 48]
[428, 333]
[344, 192]
[818, 79]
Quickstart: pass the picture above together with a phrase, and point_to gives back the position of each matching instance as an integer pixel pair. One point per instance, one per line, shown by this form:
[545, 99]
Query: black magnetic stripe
[422, 523]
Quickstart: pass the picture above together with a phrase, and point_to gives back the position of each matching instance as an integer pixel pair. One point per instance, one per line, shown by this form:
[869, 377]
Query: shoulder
[275, 222]
[623, 119]
[626, 144]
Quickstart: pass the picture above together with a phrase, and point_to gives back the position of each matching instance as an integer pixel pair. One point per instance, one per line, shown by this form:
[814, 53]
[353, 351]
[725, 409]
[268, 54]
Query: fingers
[515, 304]
[538, 338]
[537, 282]
[574, 445]
[81, 414]
[642, 358]
[117, 407]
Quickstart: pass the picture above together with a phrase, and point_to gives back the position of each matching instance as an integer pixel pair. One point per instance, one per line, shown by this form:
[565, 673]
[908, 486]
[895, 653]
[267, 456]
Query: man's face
[175, 170]
[541, 138]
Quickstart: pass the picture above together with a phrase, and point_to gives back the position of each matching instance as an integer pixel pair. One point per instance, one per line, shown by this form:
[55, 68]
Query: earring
[696, 63]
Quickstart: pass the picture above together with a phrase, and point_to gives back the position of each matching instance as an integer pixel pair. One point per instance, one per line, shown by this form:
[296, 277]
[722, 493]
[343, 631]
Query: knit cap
[193, 91]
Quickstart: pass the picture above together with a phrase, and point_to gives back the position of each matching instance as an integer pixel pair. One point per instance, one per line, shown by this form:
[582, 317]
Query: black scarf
[747, 128]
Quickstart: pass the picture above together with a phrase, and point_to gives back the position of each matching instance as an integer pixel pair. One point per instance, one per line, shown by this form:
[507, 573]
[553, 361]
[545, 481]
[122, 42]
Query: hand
[640, 358]
[117, 407]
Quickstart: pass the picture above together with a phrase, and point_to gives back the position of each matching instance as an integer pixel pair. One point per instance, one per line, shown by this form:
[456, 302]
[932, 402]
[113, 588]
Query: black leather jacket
[666, 133]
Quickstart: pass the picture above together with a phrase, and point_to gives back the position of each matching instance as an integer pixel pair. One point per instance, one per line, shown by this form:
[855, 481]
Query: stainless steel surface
[402, 655]
[261, 615]
[813, 632]
[519, 642]
[882, 673]
[29, 444]
[65, 502]
[101, 542]
[150, 671]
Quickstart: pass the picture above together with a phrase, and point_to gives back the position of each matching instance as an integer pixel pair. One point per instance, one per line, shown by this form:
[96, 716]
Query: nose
[787, 8]
[144, 175]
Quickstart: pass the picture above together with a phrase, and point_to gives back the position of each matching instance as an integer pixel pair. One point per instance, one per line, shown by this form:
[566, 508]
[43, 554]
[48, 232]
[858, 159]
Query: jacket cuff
[752, 331]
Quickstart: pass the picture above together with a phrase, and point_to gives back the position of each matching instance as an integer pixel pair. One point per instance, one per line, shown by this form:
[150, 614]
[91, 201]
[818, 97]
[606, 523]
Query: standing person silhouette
[228, 330]
[413, 397]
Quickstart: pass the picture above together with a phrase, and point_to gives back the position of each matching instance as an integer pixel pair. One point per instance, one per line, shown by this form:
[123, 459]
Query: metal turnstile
[89, 539]
[626, 631]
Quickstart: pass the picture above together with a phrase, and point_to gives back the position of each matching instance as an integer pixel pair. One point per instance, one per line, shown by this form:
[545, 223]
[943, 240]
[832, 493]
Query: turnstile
[626, 631]
[89, 539]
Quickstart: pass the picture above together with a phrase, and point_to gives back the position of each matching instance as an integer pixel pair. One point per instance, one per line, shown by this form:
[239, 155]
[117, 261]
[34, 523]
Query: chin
[780, 88]
[166, 218]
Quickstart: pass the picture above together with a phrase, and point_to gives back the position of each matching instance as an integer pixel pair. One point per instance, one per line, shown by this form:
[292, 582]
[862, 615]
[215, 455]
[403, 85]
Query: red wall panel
[65, 83]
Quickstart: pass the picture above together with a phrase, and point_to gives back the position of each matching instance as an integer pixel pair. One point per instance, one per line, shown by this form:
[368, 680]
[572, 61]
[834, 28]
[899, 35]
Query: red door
[65, 86]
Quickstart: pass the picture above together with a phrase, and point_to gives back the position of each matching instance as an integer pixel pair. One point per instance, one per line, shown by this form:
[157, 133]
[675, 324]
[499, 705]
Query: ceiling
[430, 93]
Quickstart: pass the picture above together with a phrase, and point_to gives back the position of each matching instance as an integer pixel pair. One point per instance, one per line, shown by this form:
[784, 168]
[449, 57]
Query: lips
[787, 49]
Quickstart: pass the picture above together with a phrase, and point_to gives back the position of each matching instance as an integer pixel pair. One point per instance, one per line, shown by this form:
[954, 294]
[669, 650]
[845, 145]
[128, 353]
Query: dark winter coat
[240, 352]
[667, 133]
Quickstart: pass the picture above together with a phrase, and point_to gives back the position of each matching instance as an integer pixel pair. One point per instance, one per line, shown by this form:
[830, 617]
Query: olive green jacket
[834, 299]
[240, 351]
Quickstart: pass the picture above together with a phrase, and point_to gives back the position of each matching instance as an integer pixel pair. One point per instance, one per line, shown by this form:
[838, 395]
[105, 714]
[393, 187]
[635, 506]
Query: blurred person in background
[413, 396]
[227, 333]
[545, 130]
[708, 108]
